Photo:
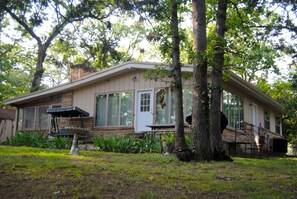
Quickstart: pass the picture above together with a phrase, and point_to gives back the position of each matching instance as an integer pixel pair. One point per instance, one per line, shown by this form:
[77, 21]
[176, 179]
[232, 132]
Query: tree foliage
[53, 16]
[13, 77]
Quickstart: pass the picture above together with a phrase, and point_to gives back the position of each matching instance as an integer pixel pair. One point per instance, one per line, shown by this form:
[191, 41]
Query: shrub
[115, 143]
[59, 142]
[37, 139]
[127, 144]
[170, 139]
[153, 145]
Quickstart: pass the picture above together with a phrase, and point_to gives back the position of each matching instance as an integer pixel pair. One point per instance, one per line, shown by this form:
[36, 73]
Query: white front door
[144, 110]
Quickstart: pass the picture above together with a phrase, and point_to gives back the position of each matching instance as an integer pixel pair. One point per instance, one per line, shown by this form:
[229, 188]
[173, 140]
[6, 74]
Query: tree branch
[22, 23]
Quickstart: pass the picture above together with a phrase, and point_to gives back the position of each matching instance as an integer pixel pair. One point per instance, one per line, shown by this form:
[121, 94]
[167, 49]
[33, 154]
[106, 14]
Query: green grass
[51, 173]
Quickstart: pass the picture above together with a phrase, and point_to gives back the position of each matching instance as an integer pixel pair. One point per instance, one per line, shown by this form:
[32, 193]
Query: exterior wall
[130, 81]
[248, 101]
[67, 99]
[48, 101]
[133, 80]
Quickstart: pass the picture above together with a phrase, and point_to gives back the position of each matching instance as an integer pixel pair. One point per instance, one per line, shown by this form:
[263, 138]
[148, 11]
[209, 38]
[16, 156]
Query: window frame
[267, 123]
[25, 118]
[169, 108]
[119, 119]
[38, 118]
[235, 114]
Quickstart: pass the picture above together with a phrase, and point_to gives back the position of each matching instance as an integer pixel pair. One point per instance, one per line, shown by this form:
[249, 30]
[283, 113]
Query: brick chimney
[78, 71]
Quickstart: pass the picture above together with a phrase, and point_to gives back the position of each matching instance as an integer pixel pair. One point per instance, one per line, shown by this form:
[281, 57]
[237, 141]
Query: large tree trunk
[36, 82]
[181, 148]
[201, 136]
[217, 73]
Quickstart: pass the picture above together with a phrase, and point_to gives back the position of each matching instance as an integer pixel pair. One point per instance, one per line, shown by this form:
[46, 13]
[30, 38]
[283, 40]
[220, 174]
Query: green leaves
[128, 144]
[37, 139]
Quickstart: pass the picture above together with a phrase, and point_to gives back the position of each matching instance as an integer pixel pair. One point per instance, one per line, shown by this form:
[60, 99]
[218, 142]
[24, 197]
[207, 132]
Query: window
[36, 118]
[162, 112]
[166, 115]
[115, 109]
[266, 120]
[277, 124]
[113, 113]
[29, 118]
[145, 102]
[233, 109]
[42, 118]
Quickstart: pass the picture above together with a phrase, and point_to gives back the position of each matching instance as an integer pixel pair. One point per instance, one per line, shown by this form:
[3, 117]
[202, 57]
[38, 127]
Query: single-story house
[7, 117]
[119, 99]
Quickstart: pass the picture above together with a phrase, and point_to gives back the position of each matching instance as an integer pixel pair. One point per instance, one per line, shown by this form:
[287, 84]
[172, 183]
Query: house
[120, 99]
[7, 117]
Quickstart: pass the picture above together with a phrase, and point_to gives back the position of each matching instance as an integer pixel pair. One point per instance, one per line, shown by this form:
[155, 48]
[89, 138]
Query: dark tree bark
[181, 148]
[216, 89]
[201, 136]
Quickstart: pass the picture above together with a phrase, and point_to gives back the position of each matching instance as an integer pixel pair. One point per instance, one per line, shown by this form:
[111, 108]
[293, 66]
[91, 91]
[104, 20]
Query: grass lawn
[46, 173]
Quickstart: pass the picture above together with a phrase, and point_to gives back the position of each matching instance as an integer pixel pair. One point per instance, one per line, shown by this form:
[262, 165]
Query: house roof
[132, 65]
[7, 114]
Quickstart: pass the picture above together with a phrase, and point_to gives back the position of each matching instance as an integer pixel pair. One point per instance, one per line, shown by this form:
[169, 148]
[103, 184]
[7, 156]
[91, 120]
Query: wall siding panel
[85, 96]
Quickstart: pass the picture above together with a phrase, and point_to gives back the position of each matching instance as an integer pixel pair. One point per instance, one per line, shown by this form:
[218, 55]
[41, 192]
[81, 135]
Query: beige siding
[130, 81]
[56, 99]
[247, 110]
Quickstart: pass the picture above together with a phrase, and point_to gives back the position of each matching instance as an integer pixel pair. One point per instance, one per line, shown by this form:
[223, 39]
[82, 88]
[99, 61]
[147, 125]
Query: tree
[216, 83]
[31, 15]
[200, 117]
[181, 148]
[168, 36]
[93, 43]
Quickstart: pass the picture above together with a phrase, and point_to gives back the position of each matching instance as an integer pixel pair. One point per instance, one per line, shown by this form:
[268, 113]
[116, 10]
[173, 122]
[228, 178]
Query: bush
[169, 138]
[115, 143]
[59, 142]
[37, 139]
[153, 145]
[127, 144]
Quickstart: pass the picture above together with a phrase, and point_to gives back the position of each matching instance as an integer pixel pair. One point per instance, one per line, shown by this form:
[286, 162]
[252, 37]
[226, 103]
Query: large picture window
[166, 114]
[29, 118]
[114, 109]
[233, 109]
[42, 118]
[36, 118]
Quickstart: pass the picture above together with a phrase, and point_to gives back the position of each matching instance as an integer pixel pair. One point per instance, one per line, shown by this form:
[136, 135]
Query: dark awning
[72, 111]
